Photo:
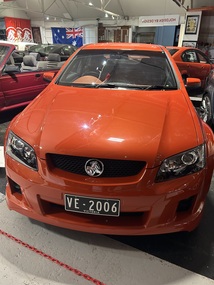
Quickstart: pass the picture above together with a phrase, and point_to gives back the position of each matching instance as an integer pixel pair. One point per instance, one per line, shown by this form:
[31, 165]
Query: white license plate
[95, 206]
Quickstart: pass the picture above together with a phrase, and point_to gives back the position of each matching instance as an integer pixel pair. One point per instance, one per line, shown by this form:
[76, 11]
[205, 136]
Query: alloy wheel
[205, 109]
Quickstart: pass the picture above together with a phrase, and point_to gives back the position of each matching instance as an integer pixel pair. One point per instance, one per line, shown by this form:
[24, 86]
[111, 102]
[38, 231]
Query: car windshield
[119, 69]
[3, 52]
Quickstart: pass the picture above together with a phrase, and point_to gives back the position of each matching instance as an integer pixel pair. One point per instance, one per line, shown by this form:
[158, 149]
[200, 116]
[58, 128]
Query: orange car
[192, 62]
[113, 145]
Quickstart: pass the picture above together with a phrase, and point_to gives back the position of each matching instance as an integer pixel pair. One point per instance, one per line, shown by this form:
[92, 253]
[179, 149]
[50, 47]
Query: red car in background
[192, 62]
[18, 88]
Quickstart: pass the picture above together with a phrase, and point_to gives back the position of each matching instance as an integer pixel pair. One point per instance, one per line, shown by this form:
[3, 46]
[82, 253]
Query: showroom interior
[36, 253]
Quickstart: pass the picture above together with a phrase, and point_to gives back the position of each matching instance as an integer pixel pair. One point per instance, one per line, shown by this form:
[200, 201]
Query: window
[189, 56]
[201, 58]
[126, 69]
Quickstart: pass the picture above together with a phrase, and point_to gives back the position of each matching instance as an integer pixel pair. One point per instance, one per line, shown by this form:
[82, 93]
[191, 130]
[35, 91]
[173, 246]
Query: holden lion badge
[94, 167]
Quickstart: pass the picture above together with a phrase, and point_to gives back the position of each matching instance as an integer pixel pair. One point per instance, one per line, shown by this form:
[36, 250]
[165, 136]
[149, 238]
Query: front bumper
[146, 207]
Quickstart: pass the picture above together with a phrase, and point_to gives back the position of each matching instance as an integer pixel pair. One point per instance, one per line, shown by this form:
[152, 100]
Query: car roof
[125, 46]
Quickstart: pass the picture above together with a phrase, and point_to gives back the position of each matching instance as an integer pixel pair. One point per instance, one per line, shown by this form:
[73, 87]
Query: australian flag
[72, 36]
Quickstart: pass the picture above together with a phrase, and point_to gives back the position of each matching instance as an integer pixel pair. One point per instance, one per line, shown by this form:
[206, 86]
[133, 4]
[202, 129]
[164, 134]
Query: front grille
[112, 167]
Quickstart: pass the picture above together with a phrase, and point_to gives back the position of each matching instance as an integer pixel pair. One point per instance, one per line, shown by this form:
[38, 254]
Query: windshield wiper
[120, 85]
[160, 87]
[82, 85]
[107, 85]
[138, 87]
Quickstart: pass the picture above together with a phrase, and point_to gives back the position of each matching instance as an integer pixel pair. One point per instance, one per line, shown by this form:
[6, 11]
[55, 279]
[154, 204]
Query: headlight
[21, 151]
[182, 164]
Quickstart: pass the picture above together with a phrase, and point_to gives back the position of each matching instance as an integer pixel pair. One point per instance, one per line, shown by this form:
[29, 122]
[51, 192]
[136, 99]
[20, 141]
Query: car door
[19, 88]
[196, 64]
[206, 66]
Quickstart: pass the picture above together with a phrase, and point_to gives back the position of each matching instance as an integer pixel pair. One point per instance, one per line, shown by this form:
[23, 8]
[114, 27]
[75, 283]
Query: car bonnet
[109, 123]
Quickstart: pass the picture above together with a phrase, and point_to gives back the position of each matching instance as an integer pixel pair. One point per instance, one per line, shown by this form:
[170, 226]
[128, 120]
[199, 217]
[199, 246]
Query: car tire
[206, 110]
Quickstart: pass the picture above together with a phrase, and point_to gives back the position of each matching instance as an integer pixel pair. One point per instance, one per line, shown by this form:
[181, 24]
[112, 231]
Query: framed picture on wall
[189, 44]
[191, 24]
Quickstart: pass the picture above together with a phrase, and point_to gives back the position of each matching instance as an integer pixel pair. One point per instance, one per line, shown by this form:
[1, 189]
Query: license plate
[94, 206]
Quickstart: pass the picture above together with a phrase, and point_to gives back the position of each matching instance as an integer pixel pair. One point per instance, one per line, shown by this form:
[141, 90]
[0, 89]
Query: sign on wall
[154, 21]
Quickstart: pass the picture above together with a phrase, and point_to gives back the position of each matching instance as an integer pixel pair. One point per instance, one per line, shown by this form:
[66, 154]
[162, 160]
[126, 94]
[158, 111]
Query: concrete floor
[33, 253]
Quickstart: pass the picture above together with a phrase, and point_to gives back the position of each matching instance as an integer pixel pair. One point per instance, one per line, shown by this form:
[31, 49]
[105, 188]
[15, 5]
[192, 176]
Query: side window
[201, 58]
[189, 56]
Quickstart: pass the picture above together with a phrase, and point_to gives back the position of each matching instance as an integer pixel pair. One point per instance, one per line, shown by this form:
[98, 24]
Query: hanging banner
[164, 20]
[18, 30]
[73, 36]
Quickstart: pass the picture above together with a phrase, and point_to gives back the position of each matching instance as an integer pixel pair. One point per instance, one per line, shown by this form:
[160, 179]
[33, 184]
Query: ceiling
[97, 9]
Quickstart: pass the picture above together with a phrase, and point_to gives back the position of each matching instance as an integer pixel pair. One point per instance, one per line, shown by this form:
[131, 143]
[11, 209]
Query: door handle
[37, 75]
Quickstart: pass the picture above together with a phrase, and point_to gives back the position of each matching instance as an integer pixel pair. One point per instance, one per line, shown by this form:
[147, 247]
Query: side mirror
[48, 76]
[193, 85]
